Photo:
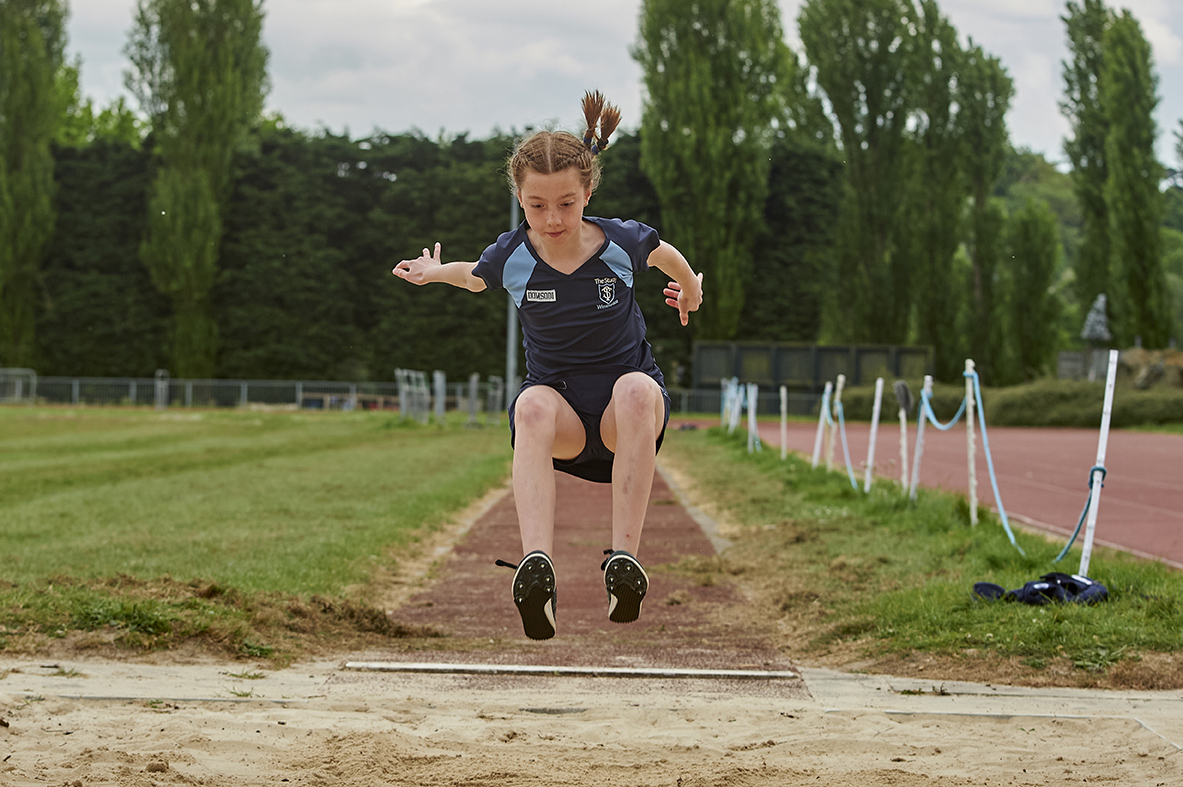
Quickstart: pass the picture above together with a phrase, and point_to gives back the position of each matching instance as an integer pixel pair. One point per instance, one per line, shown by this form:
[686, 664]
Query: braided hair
[548, 152]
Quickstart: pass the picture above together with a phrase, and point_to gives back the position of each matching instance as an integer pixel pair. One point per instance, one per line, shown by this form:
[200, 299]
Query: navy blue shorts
[588, 396]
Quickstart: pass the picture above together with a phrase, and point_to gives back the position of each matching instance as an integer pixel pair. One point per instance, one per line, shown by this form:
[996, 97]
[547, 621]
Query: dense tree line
[314, 222]
[863, 190]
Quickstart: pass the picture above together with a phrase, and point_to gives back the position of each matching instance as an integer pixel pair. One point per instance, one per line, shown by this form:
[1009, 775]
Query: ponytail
[597, 111]
[554, 151]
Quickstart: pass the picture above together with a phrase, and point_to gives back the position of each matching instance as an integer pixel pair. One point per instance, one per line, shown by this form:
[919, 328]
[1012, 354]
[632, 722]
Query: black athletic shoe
[534, 594]
[626, 583]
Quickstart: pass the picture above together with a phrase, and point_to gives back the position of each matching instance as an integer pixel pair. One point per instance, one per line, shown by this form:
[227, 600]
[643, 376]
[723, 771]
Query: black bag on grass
[1067, 588]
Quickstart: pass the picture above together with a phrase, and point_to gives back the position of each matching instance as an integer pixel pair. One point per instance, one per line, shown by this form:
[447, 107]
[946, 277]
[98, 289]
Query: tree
[1086, 22]
[100, 314]
[717, 74]
[32, 41]
[1129, 95]
[931, 228]
[81, 124]
[199, 73]
[1031, 308]
[794, 254]
[985, 90]
[411, 193]
[860, 50]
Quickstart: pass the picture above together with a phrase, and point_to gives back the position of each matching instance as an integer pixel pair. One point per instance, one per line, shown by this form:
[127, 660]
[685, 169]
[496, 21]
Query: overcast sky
[479, 65]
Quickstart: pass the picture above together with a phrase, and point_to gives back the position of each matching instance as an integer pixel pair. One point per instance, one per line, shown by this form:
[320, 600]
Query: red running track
[1042, 476]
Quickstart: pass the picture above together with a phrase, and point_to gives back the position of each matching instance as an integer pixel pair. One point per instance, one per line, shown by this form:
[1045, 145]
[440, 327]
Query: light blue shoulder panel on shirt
[517, 271]
[618, 260]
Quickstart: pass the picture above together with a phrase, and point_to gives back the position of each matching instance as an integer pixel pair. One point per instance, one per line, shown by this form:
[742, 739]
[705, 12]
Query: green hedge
[1042, 403]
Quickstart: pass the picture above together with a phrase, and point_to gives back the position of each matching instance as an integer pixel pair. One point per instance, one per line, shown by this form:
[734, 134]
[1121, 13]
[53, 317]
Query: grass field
[96, 502]
[267, 534]
[852, 577]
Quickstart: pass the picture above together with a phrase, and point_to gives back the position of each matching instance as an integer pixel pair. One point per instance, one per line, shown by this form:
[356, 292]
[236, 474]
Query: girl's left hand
[685, 301]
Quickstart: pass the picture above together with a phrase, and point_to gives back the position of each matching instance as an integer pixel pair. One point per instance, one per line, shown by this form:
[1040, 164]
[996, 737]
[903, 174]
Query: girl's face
[554, 204]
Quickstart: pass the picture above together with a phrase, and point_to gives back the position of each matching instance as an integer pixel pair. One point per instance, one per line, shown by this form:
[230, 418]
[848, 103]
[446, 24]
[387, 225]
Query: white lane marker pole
[821, 423]
[920, 419]
[784, 422]
[1098, 474]
[834, 417]
[874, 432]
[969, 442]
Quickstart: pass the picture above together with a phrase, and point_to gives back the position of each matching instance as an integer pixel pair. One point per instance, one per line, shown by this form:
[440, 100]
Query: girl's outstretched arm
[684, 293]
[427, 268]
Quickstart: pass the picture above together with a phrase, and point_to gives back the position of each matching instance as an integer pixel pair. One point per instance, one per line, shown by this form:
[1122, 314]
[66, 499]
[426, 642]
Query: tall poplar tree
[1129, 92]
[1086, 22]
[861, 52]
[32, 41]
[1031, 309]
[717, 75]
[930, 232]
[985, 91]
[199, 72]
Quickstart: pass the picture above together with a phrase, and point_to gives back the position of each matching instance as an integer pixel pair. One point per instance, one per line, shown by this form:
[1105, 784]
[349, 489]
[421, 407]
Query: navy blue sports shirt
[586, 321]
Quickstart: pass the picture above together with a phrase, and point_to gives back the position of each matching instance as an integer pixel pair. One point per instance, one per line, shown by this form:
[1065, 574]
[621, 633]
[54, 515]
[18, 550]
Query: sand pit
[132, 724]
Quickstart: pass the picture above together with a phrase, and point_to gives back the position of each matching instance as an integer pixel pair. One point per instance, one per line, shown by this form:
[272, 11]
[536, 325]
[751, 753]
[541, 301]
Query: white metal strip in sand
[570, 672]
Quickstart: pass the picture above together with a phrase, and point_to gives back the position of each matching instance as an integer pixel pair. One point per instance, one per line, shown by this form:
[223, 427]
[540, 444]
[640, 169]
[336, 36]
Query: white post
[753, 426]
[821, 423]
[969, 442]
[834, 411]
[511, 315]
[1098, 474]
[904, 448]
[161, 389]
[440, 382]
[784, 422]
[736, 411]
[921, 418]
[874, 432]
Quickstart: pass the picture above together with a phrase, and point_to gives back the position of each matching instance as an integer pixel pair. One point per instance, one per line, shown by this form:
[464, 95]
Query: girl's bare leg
[545, 428]
[630, 426]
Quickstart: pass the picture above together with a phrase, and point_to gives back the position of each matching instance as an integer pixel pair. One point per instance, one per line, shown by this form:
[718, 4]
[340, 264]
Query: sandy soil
[130, 724]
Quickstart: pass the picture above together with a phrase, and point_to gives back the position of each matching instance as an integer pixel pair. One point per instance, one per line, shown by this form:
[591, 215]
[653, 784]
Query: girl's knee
[636, 394]
[534, 408]
[635, 389]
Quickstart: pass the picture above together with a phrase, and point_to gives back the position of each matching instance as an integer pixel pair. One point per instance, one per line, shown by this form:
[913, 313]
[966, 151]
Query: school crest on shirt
[607, 290]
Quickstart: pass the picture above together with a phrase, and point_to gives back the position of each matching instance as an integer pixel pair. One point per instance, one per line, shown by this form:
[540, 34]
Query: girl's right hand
[420, 269]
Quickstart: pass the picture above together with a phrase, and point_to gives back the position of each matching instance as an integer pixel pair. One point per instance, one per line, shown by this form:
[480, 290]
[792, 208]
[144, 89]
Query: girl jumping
[593, 403]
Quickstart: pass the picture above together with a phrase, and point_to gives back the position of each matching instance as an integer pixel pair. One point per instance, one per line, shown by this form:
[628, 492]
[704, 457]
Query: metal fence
[806, 368]
[414, 394]
[18, 386]
[163, 392]
[711, 400]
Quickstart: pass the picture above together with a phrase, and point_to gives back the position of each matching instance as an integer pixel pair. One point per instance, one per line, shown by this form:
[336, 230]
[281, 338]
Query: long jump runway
[1042, 476]
[689, 630]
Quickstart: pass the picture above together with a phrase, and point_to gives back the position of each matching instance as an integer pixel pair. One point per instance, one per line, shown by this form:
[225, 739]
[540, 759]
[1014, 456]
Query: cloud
[1161, 22]
[454, 64]
[476, 65]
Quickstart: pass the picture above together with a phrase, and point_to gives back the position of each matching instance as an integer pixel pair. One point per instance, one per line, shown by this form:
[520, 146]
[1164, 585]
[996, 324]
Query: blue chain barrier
[990, 460]
[1083, 514]
[845, 447]
[932, 417]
